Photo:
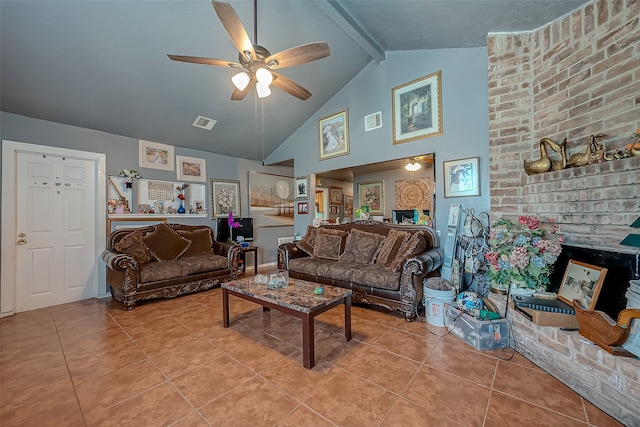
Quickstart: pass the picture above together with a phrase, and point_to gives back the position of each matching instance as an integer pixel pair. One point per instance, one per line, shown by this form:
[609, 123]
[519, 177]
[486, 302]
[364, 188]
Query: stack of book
[545, 312]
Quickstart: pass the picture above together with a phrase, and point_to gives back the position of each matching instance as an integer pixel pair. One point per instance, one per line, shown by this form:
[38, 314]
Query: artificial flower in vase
[180, 197]
[130, 174]
[232, 224]
[522, 255]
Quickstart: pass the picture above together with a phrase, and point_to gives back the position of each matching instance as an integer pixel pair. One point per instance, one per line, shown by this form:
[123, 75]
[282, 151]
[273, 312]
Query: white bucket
[435, 299]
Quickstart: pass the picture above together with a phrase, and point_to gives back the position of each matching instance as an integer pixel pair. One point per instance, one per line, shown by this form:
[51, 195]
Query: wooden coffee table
[297, 300]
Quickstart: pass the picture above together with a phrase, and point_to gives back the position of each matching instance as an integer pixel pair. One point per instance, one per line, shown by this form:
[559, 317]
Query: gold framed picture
[583, 282]
[333, 133]
[417, 109]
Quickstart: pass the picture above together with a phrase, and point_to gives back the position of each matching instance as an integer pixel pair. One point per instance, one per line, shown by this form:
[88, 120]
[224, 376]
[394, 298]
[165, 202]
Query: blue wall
[465, 121]
[122, 153]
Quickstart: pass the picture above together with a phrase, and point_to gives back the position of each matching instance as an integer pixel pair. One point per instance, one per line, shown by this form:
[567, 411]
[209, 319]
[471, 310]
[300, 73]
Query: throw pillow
[164, 244]
[391, 246]
[361, 247]
[309, 240]
[201, 241]
[133, 246]
[327, 246]
[414, 245]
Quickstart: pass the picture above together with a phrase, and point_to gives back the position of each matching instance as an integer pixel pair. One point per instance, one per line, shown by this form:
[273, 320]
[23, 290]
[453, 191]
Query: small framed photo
[461, 177]
[303, 208]
[333, 210]
[373, 121]
[198, 206]
[191, 169]
[225, 197]
[417, 109]
[302, 187]
[582, 282]
[154, 155]
[335, 196]
[334, 135]
[371, 194]
[348, 205]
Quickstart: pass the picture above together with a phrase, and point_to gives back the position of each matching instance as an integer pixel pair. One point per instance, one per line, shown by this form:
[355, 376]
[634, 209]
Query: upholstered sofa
[166, 260]
[383, 264]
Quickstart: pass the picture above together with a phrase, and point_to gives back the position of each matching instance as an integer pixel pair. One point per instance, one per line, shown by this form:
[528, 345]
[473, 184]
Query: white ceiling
[102, 64]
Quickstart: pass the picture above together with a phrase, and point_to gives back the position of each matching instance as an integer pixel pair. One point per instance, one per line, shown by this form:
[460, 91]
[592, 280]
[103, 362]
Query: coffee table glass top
[298, 295]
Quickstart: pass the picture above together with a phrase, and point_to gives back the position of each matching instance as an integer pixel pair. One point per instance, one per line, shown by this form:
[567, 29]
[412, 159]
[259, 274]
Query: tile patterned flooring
[171, 363]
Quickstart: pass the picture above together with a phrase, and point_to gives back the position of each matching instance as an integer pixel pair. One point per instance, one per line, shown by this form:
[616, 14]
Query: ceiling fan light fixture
[412, 166]
[263, 90]
[264, 76]
[241, 80]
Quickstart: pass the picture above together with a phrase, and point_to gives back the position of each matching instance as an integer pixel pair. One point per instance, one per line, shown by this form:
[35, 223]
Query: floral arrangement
[225, 200]
[522, 253]
[180, 189]
[130, 173]
[232, 224]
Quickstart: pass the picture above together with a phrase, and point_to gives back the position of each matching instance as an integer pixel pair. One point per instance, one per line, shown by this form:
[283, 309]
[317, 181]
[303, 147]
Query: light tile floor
[170, 362]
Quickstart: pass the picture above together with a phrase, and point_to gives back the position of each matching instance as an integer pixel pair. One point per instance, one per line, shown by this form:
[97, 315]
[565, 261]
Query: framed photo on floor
[583, 282]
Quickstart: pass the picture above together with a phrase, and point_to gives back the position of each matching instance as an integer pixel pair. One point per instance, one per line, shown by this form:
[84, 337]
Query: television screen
[399, 216]
[245, 230]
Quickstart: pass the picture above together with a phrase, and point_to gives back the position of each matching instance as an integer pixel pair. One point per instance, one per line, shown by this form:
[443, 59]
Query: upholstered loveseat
[166, 260]
[383, 264]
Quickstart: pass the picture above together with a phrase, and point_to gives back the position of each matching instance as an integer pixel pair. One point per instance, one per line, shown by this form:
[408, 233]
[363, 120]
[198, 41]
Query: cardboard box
[546, 318]
[480, 334]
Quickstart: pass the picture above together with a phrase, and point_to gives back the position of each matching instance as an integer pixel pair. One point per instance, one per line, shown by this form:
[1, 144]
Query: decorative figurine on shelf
[542, 165]
[232, 224]
[130, 174]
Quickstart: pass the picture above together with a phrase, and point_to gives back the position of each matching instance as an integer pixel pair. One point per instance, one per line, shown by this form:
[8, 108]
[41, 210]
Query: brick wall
[577, 76]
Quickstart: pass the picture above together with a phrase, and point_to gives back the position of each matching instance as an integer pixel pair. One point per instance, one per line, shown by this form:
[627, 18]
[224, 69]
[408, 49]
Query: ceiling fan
[258, 63]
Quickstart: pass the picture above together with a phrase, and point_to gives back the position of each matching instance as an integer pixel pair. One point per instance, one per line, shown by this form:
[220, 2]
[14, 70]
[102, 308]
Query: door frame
[8, 248]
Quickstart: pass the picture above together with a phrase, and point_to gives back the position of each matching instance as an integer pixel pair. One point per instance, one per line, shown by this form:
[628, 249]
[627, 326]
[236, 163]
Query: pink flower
[232, 223]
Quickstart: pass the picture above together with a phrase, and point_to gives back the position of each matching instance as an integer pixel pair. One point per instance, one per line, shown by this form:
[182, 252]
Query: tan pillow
[164, 244]
[391, 246]
[133, 245]
[328, 246]
[309, 240]
[201, 241]
[361, 247]
[416, 243]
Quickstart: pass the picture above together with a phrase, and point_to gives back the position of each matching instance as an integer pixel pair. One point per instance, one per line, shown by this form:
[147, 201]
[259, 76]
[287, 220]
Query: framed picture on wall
[271, 199]
[191, 169]
[154, 155]
[302, 187]
[335, 196]
[371, 194]
[461, 177]
[303, 208]
[582, 282]
[333, 132]
[225, 197]
[417, 109]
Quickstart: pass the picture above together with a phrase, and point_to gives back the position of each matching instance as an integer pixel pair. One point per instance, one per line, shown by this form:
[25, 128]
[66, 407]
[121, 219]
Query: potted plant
[522, 255]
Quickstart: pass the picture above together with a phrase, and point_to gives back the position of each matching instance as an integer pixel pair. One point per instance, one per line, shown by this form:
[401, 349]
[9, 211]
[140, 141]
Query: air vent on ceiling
[204, 123]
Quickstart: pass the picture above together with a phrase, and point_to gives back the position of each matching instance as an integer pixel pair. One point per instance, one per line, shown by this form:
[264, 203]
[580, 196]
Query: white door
[55, 230]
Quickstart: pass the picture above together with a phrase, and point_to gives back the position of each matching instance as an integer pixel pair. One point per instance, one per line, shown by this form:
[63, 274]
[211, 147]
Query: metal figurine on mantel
[595, 152]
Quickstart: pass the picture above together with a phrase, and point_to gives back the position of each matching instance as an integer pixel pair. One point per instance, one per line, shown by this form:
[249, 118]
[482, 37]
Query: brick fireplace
[577, 76]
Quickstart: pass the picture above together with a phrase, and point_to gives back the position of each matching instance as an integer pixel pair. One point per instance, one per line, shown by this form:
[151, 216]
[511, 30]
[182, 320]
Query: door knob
[22, 241]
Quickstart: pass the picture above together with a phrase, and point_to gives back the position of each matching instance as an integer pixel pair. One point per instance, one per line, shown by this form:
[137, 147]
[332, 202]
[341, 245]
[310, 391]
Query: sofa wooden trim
[123, 271]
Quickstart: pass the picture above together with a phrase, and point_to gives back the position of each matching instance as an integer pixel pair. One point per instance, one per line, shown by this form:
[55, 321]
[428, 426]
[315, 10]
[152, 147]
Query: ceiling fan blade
[289, 86]
[300, 55]
[204, 61]
[232, 24]
[238, 95]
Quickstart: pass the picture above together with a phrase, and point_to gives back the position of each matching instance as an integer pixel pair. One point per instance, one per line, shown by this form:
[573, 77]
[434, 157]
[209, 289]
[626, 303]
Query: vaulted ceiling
[103, 64]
